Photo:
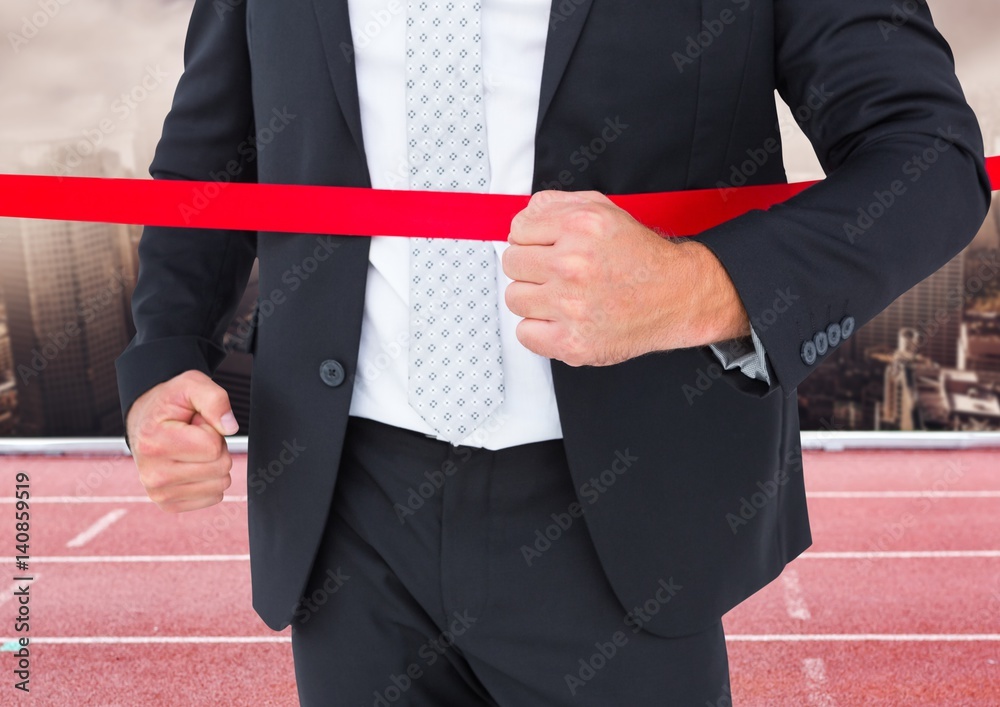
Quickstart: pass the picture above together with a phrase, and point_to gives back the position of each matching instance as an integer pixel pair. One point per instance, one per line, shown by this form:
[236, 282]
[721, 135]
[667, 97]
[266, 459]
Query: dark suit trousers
[456, 576]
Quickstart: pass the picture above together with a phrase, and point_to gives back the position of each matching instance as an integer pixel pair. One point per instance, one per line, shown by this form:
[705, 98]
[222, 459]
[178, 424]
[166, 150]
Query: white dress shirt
[513, 48]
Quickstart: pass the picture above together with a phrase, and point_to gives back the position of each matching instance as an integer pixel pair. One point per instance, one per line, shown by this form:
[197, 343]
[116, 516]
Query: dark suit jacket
[714, 501]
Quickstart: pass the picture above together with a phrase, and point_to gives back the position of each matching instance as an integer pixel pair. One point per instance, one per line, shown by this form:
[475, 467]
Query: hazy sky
[69, 77]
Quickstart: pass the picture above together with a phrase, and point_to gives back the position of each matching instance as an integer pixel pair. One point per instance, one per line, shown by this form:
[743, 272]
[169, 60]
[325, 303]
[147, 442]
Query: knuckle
[157, 496]
[573, 267]
[540, 197]
[145, 445]
[517, 223]
[575, 308]
[587, 219]
[170, 506]
[217, 447]
[152, 479]
[190, 375]
[508, 259]
[222, 466]
[511, 299]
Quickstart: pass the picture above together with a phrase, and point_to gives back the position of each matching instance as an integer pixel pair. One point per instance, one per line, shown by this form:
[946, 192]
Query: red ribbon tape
[290, 208]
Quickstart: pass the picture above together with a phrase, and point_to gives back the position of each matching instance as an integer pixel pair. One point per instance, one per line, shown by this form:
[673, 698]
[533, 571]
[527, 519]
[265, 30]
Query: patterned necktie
[455, 363]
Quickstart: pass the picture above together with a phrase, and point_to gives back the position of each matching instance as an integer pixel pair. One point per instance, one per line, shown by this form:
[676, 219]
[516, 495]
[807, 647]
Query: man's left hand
[595, 287]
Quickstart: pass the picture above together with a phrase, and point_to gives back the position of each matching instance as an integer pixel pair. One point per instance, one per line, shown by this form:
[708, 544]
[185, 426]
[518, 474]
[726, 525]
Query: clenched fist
[595, 287]
[176, 432]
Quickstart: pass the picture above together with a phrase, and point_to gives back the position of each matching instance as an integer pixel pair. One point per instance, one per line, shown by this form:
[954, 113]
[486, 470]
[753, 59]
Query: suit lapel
[335, 27]
[566, 21]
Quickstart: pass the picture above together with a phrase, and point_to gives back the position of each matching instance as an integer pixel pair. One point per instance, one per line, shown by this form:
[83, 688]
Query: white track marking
[141, 640]
[902, 494]
[99, 559]
[795, 603]
[738, 638]
[902, 555]
[845, 495]
[104, 499]
[815, 673]
[862, 637]
[8, 594]
[97, 528]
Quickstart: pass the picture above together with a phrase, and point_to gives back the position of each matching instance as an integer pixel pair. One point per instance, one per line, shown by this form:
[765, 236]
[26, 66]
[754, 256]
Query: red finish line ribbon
[290, 208]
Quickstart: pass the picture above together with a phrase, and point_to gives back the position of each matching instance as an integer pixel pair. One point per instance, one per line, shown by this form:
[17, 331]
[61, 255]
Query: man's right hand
[176, 432]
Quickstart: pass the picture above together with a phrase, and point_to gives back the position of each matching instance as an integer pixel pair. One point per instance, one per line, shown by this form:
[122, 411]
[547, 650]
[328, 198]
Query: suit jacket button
[822, 343]
[808, 353]
[331, 372]
[846, 328]
[834, 335]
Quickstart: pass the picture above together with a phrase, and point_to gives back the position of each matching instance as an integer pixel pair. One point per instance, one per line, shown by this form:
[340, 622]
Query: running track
[897, 602]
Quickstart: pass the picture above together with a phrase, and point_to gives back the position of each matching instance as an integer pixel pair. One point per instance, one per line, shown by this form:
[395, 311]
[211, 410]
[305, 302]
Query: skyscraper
[64, 292]
[933, 309]
[979, 345]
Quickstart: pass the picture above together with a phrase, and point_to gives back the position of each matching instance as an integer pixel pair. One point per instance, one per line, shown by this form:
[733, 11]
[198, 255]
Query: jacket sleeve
[906, 187]
[190, 281]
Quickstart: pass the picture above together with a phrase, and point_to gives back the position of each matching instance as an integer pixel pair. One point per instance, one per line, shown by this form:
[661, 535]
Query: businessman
[535, 472]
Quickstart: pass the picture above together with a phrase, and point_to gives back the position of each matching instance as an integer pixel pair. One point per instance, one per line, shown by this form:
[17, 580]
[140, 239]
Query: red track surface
[835, 629]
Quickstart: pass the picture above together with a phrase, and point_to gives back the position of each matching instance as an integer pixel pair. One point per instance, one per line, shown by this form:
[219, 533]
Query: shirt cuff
[746, 353]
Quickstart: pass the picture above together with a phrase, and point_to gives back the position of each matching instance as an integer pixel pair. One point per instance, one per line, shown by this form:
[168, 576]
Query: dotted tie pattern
[455, 362]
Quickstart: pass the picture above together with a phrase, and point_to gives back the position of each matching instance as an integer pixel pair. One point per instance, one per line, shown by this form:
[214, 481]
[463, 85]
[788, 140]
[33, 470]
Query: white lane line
[811, 494]
[815, 673]
[104, 499]
[739, 638]
[97, 559]
[97, 528]
[902, 555]
[795, 603]
[141, 640]
[8, 594]
[862, 637]
[902, 494]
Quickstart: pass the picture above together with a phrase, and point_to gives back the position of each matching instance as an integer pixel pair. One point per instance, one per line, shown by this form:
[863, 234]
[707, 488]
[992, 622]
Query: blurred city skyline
[84, 89]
